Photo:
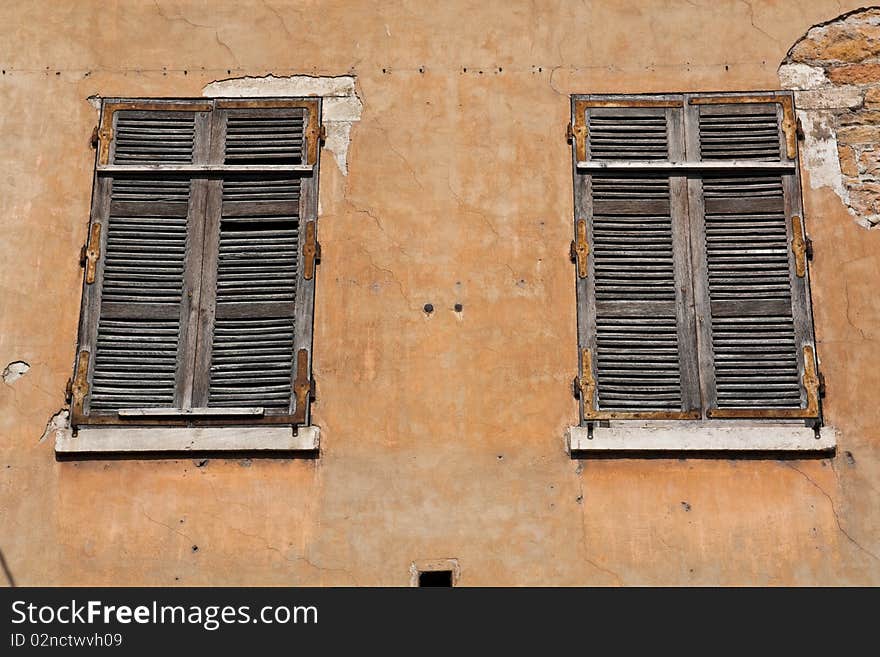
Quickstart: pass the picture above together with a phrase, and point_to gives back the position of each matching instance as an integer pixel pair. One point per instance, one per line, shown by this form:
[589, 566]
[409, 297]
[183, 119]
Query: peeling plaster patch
[820, 151]
[14, 371]
[58, 426]
[341, 106]
[801, 76]
[834, 70]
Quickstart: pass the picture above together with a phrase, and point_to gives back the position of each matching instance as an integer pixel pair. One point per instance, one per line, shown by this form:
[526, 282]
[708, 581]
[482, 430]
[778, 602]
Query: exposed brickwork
[835, 70]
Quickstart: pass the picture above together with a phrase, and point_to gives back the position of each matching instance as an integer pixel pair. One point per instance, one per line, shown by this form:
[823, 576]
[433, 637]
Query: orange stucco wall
[442, 436]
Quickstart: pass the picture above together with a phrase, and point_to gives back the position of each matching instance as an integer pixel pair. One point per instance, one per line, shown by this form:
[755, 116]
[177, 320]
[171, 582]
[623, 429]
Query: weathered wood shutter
[196, 307]
[636, 337]
[749, 250]
[693, 294]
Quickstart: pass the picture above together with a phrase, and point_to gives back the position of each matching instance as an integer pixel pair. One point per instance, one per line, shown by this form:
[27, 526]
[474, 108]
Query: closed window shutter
[693, 294]
[194, 266]
[261, 249]
[635, 335]
[752, 290]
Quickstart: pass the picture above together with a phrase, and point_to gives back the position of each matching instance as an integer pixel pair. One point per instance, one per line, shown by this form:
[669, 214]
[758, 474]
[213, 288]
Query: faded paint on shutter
[758, 350]
[254, 322]
[635, 335]
[136, 353]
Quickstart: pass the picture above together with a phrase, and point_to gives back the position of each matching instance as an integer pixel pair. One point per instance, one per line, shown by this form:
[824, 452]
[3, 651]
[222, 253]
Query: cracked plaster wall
[442, 433]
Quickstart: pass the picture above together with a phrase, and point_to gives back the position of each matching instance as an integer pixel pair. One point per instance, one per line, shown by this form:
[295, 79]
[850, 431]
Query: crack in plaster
[834, 512]
[341, 104]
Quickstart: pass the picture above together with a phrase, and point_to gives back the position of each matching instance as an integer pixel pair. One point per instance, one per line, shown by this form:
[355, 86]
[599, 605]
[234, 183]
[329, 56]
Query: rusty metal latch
[80, 387]
[311, 251]
[92, 253]
[580, 248]
[799, 246]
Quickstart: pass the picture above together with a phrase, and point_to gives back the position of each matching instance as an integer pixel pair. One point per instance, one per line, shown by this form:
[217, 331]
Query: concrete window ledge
[127, 440]
[636, 437]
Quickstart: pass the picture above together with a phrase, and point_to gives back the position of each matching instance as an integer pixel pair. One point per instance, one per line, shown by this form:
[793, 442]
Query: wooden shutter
[636, 335]
[693, 291]
[259, 273]
[197, 304]
[751, 285]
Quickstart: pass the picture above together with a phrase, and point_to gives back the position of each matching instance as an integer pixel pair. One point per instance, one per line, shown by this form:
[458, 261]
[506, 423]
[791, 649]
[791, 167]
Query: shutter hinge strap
[580, 248]
[105, 136]
[80, 386]
[303, 387]
[92, 253]
[586, 383]
[798, 246]
[576, 134]
[812, 382]
[311, 251]
[789, 125]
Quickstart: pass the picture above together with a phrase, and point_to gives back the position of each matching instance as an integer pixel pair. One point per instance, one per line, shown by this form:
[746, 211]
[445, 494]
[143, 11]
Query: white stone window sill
[685, 436]
[127, 440]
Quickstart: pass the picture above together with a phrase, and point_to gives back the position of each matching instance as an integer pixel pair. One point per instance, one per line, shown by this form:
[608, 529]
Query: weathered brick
[840, 42]
[855, 74]
[872, 98]
[859, 134]
[848, 165]
[869, 163]
[860, 118]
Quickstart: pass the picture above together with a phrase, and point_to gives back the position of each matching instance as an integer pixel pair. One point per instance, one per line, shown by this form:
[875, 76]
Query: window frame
[685, 172]
[205, 174]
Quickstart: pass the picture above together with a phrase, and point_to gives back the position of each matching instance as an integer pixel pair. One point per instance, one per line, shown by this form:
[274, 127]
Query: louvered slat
[135, 364]
[252, 342]
[753, 333]
[637, 352]
[750, 133]
[146, 241]
[627, 134]
[143, 269]
[638, 363]
[153, 137]
[632, 239]
[252, 362]
[265, 137]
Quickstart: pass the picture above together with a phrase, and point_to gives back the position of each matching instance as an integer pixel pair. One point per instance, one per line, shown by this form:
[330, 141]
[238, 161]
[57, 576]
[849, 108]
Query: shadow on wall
[835, 72]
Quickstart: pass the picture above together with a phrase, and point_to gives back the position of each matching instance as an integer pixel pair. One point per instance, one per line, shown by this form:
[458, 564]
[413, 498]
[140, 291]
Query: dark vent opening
[439, 578]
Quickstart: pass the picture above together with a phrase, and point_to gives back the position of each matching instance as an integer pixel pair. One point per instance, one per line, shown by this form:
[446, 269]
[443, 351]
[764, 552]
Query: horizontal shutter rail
[591, 166]
[206, 168]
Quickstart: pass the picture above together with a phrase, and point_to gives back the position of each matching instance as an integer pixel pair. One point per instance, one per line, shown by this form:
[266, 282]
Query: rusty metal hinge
[93, 141]
[303, 386]
[586, 383]
[812, 381]
[91, 253]
[576, 134]
[800, 130]
[316, 134]
[580, 248]
[311, 250]
[80, 386]
[798, 246]
[105, 136]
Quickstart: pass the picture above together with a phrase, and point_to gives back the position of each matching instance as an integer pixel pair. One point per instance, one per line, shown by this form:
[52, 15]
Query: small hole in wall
[429, 578]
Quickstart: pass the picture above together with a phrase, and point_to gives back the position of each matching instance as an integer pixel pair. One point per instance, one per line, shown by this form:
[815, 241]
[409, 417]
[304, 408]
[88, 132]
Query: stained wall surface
[442, 435]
